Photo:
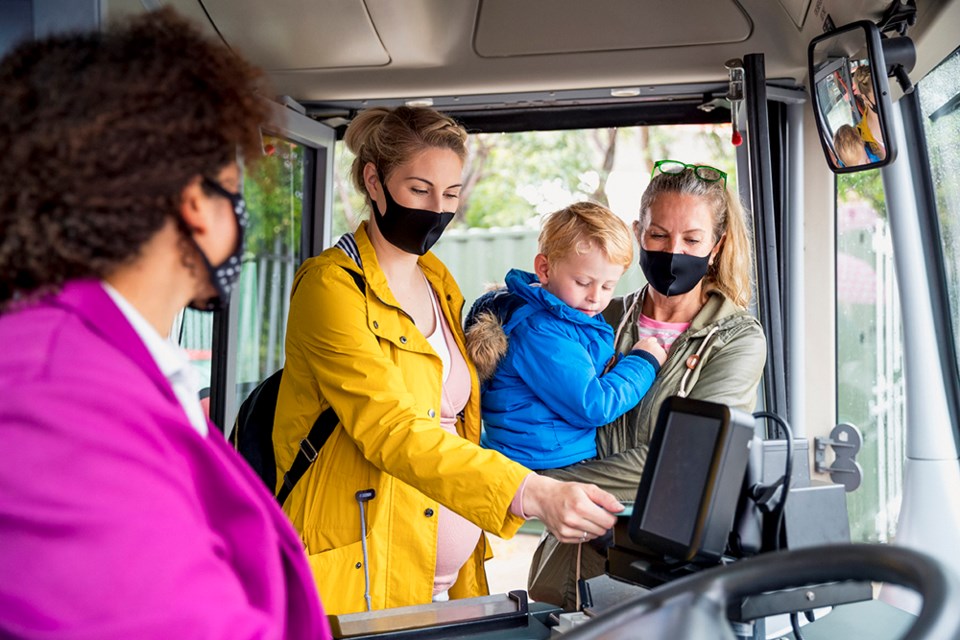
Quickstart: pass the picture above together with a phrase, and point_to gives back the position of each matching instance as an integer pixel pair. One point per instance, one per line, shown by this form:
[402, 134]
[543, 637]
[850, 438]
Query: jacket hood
[489, 321]
[486, 339]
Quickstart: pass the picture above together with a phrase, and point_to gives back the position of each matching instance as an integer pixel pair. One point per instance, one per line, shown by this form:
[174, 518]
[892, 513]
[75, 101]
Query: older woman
[695, 254]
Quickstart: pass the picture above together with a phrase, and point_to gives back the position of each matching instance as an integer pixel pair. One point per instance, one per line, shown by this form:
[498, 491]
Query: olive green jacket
[719, 358]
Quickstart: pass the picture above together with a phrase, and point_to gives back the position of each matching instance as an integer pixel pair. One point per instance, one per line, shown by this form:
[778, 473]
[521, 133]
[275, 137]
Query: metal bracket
[899, 16]
[846, 441]
[734, 96]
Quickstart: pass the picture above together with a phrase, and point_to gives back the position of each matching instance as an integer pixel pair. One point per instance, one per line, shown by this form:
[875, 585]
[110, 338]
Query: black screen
[676, 490]
[690, 486]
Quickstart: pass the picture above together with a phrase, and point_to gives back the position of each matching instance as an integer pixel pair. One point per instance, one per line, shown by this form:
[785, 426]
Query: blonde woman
[695, 253]
[869, 125]
[374, 332]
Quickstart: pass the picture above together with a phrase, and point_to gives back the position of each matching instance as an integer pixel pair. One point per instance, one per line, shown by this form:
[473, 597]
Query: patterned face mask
[224, 277]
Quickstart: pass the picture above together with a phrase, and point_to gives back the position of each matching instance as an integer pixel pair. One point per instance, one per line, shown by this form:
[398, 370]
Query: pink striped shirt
[664, 332]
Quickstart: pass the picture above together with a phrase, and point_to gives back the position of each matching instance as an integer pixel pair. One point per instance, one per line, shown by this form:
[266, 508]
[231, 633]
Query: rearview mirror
[851, 98]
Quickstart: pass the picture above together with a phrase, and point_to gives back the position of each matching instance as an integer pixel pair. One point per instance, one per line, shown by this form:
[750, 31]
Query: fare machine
[713, 492]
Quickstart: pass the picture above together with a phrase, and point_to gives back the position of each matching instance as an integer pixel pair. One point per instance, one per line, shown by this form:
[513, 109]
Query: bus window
[193, 331]
[870, 385]
[512, 179]
[274, 194]
[940, 100]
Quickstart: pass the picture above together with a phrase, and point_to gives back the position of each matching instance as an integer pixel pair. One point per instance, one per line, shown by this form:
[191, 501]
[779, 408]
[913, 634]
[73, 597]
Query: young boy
[851, 149]
[545, 355]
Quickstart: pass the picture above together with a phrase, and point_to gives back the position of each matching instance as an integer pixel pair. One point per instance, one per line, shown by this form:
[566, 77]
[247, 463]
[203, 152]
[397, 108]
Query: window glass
[940, 104]
[870, 386]
[512, 179]
[193, 331]
[274, 195]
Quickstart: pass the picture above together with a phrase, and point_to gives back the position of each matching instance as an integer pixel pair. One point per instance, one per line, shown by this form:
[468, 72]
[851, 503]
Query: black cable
[787, 472]
[795, 624]
[785, 487]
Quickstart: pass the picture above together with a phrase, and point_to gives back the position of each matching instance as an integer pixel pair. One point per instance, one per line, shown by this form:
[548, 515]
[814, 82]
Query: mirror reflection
[846, 104]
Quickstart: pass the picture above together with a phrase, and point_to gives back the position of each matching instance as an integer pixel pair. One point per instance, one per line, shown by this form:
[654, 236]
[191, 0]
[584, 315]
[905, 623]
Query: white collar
[168, 356]
[171, 360]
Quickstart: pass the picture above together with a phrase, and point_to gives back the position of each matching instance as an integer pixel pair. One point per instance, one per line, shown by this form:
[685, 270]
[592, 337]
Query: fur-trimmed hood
[486, 339]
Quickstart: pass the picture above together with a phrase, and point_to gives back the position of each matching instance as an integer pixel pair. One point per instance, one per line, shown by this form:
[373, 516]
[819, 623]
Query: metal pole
[765, 231]
[365, 495]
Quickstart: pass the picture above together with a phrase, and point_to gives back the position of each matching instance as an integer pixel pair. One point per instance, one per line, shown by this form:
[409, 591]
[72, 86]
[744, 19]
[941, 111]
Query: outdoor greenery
[870, 385]
[273, 189]
[274, 194]
[512, 179]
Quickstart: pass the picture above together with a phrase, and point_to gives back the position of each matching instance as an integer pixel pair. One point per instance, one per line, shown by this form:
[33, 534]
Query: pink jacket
[117, 518]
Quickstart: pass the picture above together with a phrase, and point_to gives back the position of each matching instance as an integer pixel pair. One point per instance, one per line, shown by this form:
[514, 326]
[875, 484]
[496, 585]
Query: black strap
[358, 278]
[319, 433]
[309, 448]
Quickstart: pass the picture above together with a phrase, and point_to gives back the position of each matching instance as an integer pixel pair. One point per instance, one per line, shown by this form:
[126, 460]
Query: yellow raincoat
[359, 352]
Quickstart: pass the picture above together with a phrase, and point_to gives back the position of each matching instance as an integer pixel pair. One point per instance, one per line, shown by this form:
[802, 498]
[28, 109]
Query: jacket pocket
[339, 574]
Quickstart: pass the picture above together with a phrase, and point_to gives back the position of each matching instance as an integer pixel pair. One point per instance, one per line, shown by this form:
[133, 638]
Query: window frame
[287, 121]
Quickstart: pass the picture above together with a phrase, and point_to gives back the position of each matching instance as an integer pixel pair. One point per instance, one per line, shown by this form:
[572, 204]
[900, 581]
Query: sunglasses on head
[701, 171]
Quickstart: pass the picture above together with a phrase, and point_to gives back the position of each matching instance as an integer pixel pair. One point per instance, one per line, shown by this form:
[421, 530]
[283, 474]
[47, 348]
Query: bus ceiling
[343, 50]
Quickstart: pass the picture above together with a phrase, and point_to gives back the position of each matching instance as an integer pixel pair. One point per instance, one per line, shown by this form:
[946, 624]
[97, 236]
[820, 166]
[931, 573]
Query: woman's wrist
[516, 505]
[535, 491]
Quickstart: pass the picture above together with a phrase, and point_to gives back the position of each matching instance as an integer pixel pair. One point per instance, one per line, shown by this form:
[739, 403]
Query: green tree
[510, 179]
[863, 185]
[512, 175]
[274, 195]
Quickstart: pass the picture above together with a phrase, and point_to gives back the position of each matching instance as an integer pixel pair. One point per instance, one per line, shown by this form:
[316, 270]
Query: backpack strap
[326, 422]
[309, 449]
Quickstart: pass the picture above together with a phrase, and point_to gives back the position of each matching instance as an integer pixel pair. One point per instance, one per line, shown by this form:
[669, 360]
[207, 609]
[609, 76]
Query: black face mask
[673, 274]
[223, 277]
[410, 230]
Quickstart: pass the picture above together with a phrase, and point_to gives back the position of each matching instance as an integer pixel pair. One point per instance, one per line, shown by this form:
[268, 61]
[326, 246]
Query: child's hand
[651, 346]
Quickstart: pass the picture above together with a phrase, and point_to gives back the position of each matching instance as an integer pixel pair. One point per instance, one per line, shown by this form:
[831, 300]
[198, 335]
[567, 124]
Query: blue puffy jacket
[548, 393]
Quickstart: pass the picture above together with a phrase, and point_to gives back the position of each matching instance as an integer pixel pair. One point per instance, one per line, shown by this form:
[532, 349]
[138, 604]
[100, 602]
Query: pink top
[456, 536]
[664, 332]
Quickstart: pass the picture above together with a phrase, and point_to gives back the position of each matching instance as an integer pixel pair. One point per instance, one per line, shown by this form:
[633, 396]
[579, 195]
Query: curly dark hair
[101, 133]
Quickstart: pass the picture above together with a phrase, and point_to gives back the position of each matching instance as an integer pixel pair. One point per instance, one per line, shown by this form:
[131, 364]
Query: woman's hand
[651, 346]
[571, 511]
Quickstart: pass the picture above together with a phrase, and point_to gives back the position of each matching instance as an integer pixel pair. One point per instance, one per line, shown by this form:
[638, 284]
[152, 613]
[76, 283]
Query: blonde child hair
[580, 227]
[850, 146]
